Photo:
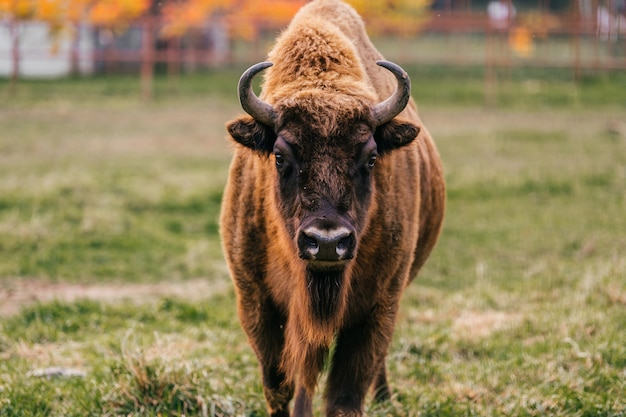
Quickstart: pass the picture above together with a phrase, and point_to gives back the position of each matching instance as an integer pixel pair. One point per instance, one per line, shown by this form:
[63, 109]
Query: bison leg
[265, 329]
[381, 388]
[303, 406]
[358, 363]
[277, 393]
[307, 380]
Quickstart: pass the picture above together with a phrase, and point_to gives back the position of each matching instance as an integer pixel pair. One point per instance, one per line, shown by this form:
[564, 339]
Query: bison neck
[325, 290]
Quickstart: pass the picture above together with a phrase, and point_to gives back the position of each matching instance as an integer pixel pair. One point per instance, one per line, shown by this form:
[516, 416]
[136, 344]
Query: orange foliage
[116, 12]
[49, 10]
[521, 42]
[243, 16]
[180, 17]
[247, 19]
[402, 17]
[61, 12]
[271, 11]
[534, 25]
[77, 9]
[18, 9]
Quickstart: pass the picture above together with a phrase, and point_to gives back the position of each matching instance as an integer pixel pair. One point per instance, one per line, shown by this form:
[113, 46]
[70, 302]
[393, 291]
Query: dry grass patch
[18, 294]
[474, 325]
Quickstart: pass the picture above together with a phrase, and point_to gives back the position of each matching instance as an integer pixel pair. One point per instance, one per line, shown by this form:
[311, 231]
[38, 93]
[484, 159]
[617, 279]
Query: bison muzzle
[334, 201]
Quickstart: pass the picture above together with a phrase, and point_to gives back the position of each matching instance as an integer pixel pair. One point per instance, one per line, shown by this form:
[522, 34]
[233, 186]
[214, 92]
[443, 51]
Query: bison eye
[372, 161]
[280, 160]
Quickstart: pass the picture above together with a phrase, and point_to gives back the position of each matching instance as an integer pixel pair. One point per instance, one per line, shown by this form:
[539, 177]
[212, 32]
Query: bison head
[324, 145]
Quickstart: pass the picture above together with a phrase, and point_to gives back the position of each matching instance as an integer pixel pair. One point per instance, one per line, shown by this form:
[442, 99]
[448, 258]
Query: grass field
[114, 298]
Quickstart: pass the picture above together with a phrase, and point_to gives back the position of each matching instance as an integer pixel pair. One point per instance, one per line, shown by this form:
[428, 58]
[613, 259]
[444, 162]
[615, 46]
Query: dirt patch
[475, 325]
[19, 293]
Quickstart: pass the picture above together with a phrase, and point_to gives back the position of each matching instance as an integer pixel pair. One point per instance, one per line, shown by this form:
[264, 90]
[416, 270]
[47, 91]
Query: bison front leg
[264, 324]
[358, 363]
[305, 361]
[303, 406]
[277, 393]
[381, 388]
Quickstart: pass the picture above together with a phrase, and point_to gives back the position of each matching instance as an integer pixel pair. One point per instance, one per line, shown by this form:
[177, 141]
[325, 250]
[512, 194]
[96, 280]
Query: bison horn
[255, 107]
[390, 108]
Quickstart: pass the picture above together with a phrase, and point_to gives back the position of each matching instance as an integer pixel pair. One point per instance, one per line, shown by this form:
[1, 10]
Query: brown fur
[323, 85]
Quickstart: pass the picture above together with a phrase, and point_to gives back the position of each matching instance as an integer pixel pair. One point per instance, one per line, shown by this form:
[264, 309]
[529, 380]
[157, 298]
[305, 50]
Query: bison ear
[395, 134]
[252, 134]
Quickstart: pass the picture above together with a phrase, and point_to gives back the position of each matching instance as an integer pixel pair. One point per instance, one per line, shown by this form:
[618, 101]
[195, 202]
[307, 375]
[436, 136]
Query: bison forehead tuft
[325, 115]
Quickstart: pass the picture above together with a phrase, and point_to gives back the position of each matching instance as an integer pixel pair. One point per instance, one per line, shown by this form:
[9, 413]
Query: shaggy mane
[313, 55]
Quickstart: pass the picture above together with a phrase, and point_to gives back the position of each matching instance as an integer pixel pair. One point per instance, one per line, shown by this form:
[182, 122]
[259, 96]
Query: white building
[40, 55]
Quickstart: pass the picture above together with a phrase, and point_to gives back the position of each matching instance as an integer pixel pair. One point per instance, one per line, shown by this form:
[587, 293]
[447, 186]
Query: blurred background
[54, 38]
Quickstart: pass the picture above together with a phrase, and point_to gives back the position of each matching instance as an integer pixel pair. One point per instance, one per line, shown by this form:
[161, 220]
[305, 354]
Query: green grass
[432, 84]
[520, 311]
[110, 188]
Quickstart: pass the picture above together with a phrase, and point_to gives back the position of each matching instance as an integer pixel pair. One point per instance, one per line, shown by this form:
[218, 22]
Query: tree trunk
[14, 31]
[75, 51]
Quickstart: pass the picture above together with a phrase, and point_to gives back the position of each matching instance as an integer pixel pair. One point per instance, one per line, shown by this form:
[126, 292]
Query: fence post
[173, 55]
[490, 67]
[147, 58]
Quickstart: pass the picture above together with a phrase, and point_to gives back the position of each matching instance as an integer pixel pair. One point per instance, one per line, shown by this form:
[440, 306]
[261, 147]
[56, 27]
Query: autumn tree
[245, 17]
[63, 18]
[115, 13]
[13, 12]
[110, 14]
[398, 17]
[238, 18]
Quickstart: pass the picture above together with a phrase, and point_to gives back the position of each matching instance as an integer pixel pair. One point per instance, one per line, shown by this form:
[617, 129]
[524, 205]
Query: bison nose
[326, 245]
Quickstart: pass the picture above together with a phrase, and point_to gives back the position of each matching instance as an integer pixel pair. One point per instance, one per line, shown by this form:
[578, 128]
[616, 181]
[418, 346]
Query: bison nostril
[327, 245]
[344, 245]
[311, 244]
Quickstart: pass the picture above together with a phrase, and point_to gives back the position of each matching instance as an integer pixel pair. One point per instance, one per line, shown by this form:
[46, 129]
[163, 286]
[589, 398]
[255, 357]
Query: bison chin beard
[325, 289]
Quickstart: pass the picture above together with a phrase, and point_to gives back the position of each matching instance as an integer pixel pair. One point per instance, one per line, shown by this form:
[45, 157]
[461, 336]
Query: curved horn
[390, 108]
[254, 106]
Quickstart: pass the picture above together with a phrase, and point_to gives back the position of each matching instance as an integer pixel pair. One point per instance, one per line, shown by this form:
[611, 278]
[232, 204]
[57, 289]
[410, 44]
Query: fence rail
[452, 37]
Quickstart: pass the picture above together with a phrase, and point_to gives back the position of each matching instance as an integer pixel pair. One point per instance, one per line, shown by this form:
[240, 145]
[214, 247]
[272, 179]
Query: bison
[334, 200]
